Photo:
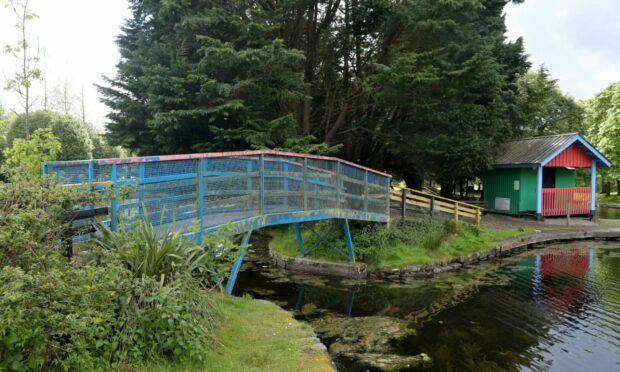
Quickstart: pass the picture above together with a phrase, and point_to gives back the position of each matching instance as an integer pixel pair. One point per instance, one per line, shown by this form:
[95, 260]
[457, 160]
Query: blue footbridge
[197, 194]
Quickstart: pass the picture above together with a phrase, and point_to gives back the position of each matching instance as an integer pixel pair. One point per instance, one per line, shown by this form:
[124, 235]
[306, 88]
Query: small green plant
[148, 254]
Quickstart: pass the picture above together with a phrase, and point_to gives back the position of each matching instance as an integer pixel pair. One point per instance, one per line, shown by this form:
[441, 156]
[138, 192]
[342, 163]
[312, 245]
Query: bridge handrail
[253, 189]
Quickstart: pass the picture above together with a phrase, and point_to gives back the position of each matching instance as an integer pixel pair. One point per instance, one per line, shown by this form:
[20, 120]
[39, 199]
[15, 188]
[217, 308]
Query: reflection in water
[555, 309]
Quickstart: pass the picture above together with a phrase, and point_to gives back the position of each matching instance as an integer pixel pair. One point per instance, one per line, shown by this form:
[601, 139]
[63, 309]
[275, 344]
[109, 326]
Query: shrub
[24, 157]
[148, 254]
[72, 133]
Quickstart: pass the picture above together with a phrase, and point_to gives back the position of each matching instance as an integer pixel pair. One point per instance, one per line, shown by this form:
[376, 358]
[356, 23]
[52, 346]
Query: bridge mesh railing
[217, 188]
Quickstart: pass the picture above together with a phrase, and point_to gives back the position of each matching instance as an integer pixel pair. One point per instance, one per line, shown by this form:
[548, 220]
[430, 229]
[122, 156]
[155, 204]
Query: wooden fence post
[432, 211]
[478, 216]
[403, 211]
[456, 212]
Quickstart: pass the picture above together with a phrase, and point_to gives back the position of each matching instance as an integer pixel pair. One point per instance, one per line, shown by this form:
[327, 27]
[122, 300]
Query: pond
[556, 308]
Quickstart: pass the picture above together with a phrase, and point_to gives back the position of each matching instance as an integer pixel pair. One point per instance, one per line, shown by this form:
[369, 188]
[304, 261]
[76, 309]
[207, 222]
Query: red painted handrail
[560, 201]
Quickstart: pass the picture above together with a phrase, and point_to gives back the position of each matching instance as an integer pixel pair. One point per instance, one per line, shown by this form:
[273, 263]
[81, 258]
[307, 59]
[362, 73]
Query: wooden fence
[434, 204]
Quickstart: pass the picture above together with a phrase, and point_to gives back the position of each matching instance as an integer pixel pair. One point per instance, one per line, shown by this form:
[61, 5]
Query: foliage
[160, 256]
[420, 241]
[603, 123]
[543, 109]
[423, 88]
[200, 77]
[62, 318]
[56, 314]
[27, 72]
[33, 219]
[72, 133]
[24, 157]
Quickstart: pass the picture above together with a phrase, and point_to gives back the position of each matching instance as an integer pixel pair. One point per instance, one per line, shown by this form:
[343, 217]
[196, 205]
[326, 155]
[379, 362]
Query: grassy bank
[254, 335]
[611, 199]
[417, 242]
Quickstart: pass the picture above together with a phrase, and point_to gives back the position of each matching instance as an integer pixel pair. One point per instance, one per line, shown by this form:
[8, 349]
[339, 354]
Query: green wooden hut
[537, 176]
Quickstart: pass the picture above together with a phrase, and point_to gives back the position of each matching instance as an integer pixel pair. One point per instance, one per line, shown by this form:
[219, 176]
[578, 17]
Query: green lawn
[461, 244]
[402, 248]
[254, 335]
[611, 199]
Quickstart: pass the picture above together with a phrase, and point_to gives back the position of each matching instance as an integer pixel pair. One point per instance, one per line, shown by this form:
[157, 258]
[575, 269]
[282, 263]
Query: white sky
[77, 45]
[578, 41]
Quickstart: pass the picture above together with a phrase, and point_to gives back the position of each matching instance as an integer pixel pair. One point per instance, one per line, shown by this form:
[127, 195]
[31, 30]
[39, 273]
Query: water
[551, 309]
[608, 213]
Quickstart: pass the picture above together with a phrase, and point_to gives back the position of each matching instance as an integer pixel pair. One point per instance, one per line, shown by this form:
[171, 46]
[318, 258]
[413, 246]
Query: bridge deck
[248, 190]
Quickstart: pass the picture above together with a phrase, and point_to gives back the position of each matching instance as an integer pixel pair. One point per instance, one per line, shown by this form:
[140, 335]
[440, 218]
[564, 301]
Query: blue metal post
[230, 284]
[114, 213]
[304, 184]
[366, 191]
[202, 172]
[286, 188]
[338, 181]
[348, 240]
[249, 183]
[539, 193]
[300, 242]
[593, 188]
[141, 176]
[91, 171]
[261, 185]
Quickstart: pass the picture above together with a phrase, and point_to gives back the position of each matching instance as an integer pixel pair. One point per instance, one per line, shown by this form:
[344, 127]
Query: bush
[62, 317]
[72, 133]
[33, 220]
[24, 157]
[148, 254]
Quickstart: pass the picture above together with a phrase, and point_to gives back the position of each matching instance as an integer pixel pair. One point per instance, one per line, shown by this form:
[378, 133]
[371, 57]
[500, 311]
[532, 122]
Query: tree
[422, 88]
[603, 124]
[27, 72]
[204, 76]
[445, 90]
[24, 157]
[542, 108]
[72, 133]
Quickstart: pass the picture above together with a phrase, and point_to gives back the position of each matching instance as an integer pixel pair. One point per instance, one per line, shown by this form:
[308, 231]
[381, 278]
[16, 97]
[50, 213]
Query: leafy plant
[24, 157]
[148, 254]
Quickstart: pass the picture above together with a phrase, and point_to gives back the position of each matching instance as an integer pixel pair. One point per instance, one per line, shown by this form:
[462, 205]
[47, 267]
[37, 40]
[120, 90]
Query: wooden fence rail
[409, 197]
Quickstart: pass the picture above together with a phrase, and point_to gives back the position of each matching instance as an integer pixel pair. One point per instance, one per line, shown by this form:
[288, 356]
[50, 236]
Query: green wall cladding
[499, 183]
[564, 177]
[529, 178]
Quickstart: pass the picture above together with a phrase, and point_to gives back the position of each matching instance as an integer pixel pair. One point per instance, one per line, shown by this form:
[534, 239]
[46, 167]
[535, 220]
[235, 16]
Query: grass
[254, 335]
[419, 243]
[613, 198]
[460, 244]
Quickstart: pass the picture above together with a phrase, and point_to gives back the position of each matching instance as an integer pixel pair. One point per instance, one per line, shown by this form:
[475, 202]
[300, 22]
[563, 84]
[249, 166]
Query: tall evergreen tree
[201, 76]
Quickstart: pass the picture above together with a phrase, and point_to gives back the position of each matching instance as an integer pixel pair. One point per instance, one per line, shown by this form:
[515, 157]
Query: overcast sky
[578, 41]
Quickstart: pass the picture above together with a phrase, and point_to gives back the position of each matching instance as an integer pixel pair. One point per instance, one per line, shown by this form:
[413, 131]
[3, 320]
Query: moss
[255, 335]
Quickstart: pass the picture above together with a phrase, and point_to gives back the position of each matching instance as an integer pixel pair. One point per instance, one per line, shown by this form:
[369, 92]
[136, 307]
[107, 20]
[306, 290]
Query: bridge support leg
[300, 242]
[230, 284]
[348, 240]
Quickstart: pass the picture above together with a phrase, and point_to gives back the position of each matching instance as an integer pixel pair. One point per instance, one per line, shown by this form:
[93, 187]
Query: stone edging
[504, 248]
[612, 206]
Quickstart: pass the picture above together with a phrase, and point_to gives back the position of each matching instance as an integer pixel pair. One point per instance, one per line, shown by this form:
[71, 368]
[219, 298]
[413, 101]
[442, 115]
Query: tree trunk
[618, 186]
[607, 188]
[447, 189]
